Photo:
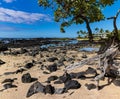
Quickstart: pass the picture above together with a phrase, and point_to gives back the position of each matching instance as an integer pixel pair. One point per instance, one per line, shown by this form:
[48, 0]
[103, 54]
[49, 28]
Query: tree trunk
[90, 36]
[89, 31]
[116, 29]
[116, 38]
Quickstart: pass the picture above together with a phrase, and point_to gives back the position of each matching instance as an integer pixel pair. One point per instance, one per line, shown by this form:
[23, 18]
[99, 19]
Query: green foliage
[110, 35]
[82, 34]
[107, 2]
[101, 31]
[70, 12]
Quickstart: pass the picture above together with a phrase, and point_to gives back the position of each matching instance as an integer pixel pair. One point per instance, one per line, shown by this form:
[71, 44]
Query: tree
[107, 31]
[70, 12]
[96, 30]
[78, 33]
[101, 31]
[116, 32]
[82, 33]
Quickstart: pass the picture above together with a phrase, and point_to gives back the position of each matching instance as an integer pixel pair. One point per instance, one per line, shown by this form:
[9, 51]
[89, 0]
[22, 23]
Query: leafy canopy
[70, 12]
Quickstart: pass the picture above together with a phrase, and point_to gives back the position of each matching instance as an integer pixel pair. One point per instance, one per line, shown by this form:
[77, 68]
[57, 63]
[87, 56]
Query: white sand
[12, 62]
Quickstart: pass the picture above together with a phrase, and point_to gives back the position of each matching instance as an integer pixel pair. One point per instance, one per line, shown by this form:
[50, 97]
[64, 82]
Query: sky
[26, 19]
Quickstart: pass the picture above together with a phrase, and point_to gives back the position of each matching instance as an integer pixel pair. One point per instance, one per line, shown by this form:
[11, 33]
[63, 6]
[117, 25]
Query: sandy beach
[14, 62]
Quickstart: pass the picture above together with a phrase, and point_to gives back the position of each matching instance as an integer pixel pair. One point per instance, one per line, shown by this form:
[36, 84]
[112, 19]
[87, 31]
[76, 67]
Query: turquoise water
[82, 48]
[51, 45]
[62, 43]
[73, 42]
[89, 49]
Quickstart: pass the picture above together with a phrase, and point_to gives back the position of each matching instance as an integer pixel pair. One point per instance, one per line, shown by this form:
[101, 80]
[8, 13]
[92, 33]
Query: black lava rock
[58, 82]
[80, 75]
[9, 73]
[49, 89]
[90, 86]
[91, 71]
[84, 56]
[23, 50]
[29, 65]
[15, 53]
[112, 73]
[52, 67]
[26, 78]
[3, 48]
[21, 70]
[35, 88]
[52, 59]
[72, 84]
[44, 72]
[9, 85]
[9, 80]
[1, 62]
[52, 78]
[66, 77]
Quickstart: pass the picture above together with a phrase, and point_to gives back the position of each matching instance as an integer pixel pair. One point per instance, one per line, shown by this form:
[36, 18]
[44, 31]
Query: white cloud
[13, 28]
[8, 15]
[8, 1]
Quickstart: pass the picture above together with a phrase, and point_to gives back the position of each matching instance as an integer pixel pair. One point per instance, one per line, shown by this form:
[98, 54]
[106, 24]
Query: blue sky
[24, 18]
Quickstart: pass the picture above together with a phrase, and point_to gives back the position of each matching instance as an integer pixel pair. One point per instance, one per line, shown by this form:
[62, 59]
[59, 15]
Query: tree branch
[114, 24]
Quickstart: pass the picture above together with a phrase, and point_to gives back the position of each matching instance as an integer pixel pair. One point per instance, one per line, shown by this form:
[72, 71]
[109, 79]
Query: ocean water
[62, 43]
[89, 49]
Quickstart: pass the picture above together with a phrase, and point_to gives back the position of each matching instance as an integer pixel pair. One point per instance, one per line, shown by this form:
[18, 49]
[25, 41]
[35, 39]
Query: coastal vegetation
[70, 12]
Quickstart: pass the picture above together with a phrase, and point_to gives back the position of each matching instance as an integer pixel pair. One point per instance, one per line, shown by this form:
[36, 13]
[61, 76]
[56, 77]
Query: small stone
[26, 78]
[91, 71]
[72, 84]
[52, 78]
[9, 80]
[21, 70]
[58, 82]
[80, 75]
[44, 72]
[29, 65]
[1, 62]
[90, 86]
[52, 59]
[9, 85]
[84, 56]
[52, 68]
[66, 77]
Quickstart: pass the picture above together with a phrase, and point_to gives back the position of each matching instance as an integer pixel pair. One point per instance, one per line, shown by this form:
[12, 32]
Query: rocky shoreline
[33, 71]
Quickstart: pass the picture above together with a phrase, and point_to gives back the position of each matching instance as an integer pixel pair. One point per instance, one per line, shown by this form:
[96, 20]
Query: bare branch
[117, 13]
[110, 18]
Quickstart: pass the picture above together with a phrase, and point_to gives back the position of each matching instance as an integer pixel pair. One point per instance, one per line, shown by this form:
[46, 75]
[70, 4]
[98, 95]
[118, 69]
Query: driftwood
[106, 57]
[105, 62]
[112, 51]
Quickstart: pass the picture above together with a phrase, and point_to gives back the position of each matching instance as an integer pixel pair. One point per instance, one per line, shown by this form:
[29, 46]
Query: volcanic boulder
[35, 88]
[26, 78]
[72, 84]
[52, 67]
